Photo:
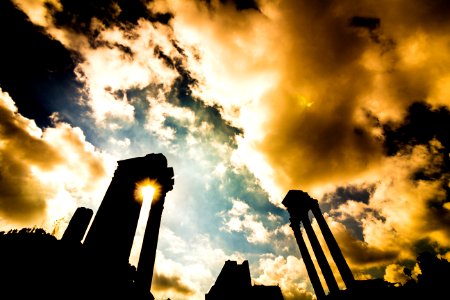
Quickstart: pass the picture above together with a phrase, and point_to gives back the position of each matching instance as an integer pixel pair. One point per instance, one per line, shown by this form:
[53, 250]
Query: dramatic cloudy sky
[346, 100]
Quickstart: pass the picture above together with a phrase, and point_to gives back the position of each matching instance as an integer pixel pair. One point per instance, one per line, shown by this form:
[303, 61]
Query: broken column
[111, 234]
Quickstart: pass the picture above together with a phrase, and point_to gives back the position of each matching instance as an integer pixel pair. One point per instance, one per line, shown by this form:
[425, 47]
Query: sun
[146, 190]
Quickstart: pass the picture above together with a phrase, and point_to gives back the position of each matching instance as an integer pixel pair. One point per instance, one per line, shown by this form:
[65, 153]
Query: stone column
[320, 255]
[148, 251]
[312, 273]
[147, 256]
[336, 253]
[76, 229]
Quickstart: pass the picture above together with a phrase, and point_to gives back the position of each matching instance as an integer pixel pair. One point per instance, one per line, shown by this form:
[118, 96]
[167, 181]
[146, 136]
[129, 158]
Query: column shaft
[148, 251]
[336, 253]
[320, 255]
[312, 273]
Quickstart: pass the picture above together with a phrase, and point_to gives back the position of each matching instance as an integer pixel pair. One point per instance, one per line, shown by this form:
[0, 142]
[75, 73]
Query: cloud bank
[285, 94]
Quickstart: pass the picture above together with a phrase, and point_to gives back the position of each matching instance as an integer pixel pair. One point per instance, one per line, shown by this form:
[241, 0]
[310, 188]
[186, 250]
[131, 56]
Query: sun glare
[146, 190]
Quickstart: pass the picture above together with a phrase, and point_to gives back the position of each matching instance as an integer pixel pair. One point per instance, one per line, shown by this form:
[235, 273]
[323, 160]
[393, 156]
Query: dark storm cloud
[367, 22]
[238, 4]
[343, 194]
[78, 15]
[225, 131]
[346, 69]
[428, 127]
[360, 254]
[363, 256]
[36, 70]
[244, 186]
[314, 135]
[332, 201]
[181, 95]
[423, 125]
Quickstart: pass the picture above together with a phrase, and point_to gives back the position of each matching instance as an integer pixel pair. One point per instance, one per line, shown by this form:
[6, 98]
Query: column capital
[297, 203]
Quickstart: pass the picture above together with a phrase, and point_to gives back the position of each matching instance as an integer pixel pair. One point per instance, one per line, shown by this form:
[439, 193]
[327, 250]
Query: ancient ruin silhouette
[99, 267]
[299, 204]
[79, 223]
[111, 235]
[234, 282]
[93, 262]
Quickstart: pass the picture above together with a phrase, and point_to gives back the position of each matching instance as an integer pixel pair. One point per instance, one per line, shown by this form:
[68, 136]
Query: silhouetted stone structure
[34, 264]
[99, 268]
[78, 225]
[234, 282]
[430, 284]
[111, 234]
[298, 204]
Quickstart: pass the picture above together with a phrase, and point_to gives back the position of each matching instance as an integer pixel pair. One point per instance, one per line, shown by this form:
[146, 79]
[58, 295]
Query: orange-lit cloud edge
[298, 80]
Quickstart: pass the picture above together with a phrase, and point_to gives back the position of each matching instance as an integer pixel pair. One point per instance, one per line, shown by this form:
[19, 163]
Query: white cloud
[197, 266]
[158, 113]
[287, 272]
[108, 70]
[352, 208]
[36, 10]
[239, 219]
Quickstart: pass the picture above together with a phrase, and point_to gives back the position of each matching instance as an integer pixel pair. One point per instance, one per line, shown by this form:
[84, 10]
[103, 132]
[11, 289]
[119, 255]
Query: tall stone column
[298, 204]
[320, 255]
[312, 273]
[111, 234]
[147, 256]
[335, 251]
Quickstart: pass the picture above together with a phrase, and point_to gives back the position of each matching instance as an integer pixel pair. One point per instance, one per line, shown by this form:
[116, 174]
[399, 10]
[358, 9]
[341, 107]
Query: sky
[347, 101]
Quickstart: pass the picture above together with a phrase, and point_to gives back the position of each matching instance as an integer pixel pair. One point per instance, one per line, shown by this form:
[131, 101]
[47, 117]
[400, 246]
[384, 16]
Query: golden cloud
[395, 274]
[164, 282]
[45, 173]
[287, 272]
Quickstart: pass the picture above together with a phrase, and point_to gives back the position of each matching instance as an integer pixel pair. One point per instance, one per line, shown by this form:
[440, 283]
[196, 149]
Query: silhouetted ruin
[111, 235]
[234, 282]
[298, 204]
[43, 267]
[35, 264]
[429, 285]
[76, 229]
